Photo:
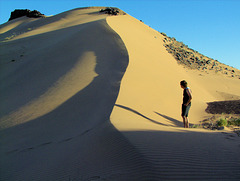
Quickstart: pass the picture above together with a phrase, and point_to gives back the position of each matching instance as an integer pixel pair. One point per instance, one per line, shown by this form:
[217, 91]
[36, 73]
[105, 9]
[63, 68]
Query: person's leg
[184, 122]
[186, 115]
[183, 113]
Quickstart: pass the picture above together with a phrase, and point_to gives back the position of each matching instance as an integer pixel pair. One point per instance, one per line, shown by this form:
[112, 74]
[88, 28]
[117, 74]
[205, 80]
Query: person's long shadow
[138, 113]
[176, 122]
[172, 120]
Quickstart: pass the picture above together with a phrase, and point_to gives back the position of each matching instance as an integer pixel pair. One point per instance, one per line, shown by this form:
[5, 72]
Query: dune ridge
[88, 96]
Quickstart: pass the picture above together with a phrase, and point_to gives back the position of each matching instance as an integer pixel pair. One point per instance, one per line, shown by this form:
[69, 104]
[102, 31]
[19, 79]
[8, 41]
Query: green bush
[222, 122]
[235, 122]
[195, 126]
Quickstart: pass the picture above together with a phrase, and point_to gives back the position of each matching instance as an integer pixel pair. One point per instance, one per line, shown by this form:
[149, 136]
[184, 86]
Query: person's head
[183, 84]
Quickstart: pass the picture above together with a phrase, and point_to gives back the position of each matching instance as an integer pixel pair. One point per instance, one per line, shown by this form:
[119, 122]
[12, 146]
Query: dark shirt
[185, 96]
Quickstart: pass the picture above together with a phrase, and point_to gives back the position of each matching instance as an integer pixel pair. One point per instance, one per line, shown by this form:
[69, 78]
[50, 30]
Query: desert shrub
[234, 122]
[237, 122]
[111, 11]
[164, 34]
[195, 126]
[222, 122]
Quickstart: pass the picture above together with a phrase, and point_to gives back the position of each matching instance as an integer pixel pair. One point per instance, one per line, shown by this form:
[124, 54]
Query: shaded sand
[57, 97]
[67, 114]
[228, 107]
[147, 110]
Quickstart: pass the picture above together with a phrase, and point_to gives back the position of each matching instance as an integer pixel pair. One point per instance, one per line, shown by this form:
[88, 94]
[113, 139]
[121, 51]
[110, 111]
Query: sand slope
[147, 110]
[67, 114]
[151, 82]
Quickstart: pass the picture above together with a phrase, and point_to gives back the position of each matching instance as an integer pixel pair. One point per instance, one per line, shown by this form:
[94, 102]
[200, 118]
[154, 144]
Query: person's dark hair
[183, 83]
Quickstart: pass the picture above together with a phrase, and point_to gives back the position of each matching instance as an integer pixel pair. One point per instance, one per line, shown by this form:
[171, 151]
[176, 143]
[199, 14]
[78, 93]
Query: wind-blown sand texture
[87, 96]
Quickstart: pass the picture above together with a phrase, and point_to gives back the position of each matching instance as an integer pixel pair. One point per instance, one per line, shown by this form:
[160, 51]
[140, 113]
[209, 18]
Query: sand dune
[63, 86]
[87, 96]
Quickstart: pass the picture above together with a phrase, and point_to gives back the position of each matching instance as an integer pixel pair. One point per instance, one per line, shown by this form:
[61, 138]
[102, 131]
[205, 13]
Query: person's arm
[190, 96]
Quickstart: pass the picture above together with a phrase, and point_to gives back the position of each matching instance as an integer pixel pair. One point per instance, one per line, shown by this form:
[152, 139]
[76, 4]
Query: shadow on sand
[138, 113]
[176, 122]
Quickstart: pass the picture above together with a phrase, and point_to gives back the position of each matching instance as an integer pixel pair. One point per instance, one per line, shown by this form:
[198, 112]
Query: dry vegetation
[220, 122]
[195, 60]
[112, 11]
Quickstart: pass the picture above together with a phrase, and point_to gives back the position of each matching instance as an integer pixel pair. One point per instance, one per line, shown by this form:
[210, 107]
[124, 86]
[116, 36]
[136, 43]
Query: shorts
[185, 109]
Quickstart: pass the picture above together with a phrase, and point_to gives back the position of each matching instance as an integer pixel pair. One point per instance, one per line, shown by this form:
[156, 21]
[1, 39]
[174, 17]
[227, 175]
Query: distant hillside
[194, 60]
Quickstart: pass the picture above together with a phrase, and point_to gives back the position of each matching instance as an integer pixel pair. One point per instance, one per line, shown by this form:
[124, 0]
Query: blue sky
[211, 27]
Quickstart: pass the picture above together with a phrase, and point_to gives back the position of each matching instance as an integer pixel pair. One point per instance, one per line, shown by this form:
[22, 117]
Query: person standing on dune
[187, 97]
